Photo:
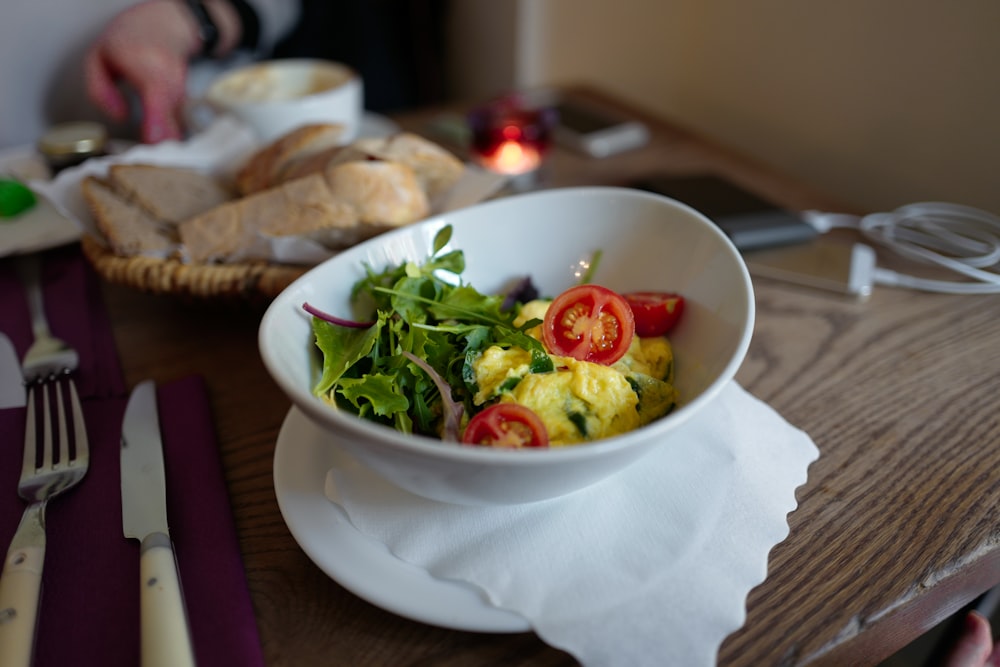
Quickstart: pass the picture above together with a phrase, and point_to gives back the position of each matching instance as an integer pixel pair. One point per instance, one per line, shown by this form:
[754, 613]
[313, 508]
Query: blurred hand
[146, 47]
[975, 646]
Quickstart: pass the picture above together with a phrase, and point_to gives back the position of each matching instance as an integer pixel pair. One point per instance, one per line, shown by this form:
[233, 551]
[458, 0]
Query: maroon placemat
[90, 596]
[76, 314]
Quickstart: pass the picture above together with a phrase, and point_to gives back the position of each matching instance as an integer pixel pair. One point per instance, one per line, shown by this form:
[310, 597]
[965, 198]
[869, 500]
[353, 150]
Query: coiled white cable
[964, 239]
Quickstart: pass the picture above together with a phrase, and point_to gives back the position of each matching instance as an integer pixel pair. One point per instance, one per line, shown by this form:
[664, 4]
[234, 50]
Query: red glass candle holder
[511, 135]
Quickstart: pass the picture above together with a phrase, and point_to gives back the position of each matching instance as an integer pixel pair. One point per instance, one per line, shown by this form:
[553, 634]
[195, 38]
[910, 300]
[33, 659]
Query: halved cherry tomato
[589, 323]
[507, 425]
[656, 313]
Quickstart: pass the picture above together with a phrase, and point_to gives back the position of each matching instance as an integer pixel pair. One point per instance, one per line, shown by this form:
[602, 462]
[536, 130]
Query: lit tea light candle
[511, 156]
[510, 138]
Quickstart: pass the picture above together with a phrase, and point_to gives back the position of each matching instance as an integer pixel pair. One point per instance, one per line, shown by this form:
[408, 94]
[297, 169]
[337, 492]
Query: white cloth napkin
[221, 149]
[650, 567]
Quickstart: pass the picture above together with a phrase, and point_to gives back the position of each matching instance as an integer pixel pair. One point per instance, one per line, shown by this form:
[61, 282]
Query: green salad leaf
[427, 311]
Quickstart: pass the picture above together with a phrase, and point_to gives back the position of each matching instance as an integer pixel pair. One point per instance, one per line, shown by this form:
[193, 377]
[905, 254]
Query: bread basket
[171, 276]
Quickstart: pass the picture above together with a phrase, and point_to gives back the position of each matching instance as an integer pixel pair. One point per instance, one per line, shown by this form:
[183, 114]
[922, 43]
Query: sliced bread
[241, 229]
[319, 162]
[129, 229]
[436, 169]
[169, 194]
[385, 194]
[263, 168]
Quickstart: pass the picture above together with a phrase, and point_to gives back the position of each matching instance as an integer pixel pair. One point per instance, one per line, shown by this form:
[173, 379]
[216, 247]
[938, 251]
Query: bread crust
[436, 169]
[264, 168]
[383, 193]
[240, 229]
[319, 162]
[129, 230]
[169, 194]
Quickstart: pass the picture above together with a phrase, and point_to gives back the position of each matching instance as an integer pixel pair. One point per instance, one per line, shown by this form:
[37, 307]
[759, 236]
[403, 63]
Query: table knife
[166, 638]
[11, 380]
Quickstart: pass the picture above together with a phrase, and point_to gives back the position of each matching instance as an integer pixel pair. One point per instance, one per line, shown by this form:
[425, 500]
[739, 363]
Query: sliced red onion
[452, 410]
[333, 319]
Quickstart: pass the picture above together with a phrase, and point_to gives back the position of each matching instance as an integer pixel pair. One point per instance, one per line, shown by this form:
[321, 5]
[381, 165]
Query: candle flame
[512, 157]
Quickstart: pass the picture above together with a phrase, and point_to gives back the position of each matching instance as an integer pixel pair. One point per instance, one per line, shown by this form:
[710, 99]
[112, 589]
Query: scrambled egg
[581, 401]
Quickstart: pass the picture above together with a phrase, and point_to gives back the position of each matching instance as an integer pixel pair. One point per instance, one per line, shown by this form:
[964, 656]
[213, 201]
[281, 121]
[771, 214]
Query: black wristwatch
[207, 29]
[249, 22]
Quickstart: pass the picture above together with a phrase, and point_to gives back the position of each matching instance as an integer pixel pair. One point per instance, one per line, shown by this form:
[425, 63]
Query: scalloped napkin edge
[650, 567]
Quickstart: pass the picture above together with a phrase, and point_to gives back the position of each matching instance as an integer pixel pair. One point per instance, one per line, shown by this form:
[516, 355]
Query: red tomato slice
[506, 425]
[656, 313]
[589, 323]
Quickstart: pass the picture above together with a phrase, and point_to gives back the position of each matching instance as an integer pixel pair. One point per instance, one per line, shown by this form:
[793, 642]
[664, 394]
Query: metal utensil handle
[29, 270]
[20, 589]
[166, 639]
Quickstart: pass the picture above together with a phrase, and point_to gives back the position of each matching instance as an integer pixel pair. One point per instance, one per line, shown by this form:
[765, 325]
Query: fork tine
[63, 459]
[82, 450]
[30, 460]
[48, 430]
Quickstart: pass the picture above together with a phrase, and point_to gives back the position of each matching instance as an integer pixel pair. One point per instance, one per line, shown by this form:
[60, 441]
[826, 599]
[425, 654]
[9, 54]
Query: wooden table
[897, 527]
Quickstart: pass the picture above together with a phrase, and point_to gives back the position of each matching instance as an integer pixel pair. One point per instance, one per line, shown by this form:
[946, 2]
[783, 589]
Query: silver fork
[48, 356]
[59, 465]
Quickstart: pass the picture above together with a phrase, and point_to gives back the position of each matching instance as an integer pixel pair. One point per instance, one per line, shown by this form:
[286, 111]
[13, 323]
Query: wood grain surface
[897, 527]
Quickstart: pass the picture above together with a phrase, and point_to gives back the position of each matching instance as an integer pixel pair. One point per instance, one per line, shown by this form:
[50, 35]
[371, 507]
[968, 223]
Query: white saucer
[43, 226]
[302, 457]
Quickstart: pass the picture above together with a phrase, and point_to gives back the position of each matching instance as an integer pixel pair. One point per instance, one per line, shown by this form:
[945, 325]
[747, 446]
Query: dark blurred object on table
[399, 48]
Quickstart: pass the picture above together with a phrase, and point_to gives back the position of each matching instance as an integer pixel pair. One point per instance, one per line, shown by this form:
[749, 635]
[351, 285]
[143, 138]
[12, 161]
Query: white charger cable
[964, 239]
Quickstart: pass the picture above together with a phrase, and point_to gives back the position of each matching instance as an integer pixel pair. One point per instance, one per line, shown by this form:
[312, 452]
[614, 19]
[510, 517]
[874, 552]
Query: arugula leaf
[465, 303]
[441, 239]
[416, 300]
[408, 298]
[417, 310]
[595, 260]
[453, 262]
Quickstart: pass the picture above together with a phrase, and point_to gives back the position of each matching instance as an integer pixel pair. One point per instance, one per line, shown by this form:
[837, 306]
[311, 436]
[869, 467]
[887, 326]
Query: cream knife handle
[20, 586]
[166, 640]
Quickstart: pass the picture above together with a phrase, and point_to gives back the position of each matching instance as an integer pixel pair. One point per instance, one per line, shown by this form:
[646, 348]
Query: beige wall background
[878, 102]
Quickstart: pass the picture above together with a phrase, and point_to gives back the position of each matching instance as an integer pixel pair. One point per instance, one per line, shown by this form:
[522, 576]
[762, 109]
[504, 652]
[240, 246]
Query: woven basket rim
[172, 276]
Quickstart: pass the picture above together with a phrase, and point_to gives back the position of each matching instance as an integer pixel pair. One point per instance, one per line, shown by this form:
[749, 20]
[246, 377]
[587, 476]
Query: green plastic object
[15, 198]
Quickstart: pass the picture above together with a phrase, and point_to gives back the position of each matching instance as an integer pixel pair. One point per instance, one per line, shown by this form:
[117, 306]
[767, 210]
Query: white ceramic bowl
[649, 243]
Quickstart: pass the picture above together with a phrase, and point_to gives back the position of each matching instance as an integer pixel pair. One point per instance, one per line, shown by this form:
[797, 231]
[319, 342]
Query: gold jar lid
[76, 140]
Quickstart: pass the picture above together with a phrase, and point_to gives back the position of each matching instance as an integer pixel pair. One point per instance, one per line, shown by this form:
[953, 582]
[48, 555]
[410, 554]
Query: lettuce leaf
[342, 348]
[424, 310]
